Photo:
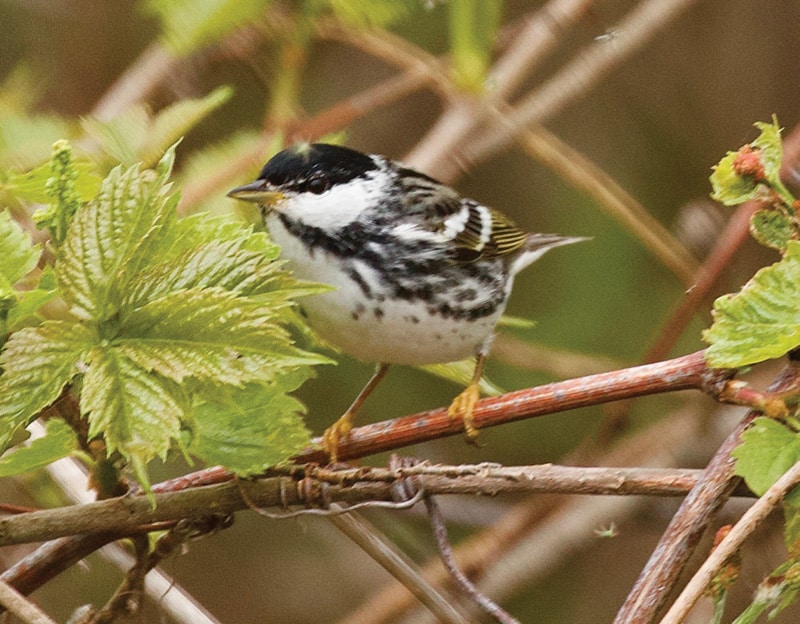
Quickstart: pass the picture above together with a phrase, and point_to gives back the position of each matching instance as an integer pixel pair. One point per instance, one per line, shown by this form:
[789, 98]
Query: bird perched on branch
[421, 274]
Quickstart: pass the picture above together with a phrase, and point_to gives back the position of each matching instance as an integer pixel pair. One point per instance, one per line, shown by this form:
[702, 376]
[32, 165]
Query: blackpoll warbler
[422, 275]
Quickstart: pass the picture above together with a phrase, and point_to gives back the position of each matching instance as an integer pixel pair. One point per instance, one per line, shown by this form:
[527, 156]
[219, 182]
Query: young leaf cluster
[175, 331]
[762, 321]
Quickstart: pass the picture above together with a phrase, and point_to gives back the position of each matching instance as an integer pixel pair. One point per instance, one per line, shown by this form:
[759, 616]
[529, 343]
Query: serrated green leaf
[764, 155]
[111, 238]
[37, 363]
[59, 441]
[218, 264]
[209, 334]
[187, 25]
[138, 412]
[767, 451]
[29, 303]
[17, 251]
[771, 228]
[249, 429]
[760, 322]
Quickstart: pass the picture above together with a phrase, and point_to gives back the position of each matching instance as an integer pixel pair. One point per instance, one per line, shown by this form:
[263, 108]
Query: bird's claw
[462, 409]
[334, 434]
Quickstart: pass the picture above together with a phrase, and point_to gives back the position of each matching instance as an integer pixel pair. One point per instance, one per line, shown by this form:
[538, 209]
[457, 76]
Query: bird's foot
[335, 433]
[462, 408]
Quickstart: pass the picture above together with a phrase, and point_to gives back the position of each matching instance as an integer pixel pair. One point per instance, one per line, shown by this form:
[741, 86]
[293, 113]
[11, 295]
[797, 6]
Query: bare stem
[681, 537]
[730, 544]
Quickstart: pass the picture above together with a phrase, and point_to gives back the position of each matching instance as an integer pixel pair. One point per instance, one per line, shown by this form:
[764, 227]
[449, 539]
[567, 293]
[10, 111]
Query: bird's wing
[474, 230]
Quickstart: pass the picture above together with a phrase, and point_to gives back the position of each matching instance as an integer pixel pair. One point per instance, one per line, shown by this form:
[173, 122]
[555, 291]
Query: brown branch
[731, 543]
[660, 575]
[133, 514]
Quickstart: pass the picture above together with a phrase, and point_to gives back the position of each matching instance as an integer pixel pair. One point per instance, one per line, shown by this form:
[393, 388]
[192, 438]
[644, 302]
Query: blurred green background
[656, 124]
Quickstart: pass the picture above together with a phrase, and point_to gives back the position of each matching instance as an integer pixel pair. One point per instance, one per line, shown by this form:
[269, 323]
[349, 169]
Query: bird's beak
[258, 192]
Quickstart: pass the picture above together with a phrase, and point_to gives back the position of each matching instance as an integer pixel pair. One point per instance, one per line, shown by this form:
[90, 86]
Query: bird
[420, 274]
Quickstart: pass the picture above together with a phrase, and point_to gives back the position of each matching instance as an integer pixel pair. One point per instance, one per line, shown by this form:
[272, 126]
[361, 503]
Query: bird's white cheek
[337, 207]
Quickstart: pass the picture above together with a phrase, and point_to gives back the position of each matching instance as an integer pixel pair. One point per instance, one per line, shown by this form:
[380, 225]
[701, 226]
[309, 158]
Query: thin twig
[574, 80]
[486, 604]
[730, 544]
[543, 531]
[538, 36]
[397, 564]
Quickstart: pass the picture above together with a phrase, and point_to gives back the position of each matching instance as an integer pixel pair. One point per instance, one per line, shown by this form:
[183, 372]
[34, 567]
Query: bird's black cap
[297, 165]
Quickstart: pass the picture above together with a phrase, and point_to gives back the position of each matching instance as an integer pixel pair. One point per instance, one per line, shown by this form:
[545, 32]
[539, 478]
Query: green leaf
[366, 13]
[58, 442]
[37, 363]
[760, 322]
[31, 185]
[461, 373]
[767, 451]
[209, 334]
[771, 149]
[729, 187]
[772, 228]
[473, 25]
[137, 136]
[30, 301]
[752, 170]
[176, 120]
[111, 238]
[188, 25]
[137, 412]
[19, 254]
[252, 428]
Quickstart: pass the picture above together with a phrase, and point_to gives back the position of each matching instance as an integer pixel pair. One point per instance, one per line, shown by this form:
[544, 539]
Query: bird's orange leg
[463, 405]
[341, 428]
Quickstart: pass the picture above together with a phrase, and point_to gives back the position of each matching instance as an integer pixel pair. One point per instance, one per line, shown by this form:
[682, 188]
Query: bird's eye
[318, 184]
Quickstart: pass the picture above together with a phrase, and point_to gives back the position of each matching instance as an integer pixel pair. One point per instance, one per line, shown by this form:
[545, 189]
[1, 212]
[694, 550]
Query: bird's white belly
[392, 331]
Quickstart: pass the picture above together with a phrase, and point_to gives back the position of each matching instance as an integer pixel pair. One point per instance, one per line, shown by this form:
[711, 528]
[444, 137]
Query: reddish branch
[687, 372]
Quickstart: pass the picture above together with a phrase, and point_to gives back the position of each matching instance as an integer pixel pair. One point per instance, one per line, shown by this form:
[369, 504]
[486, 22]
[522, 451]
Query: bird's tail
[536, 245]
